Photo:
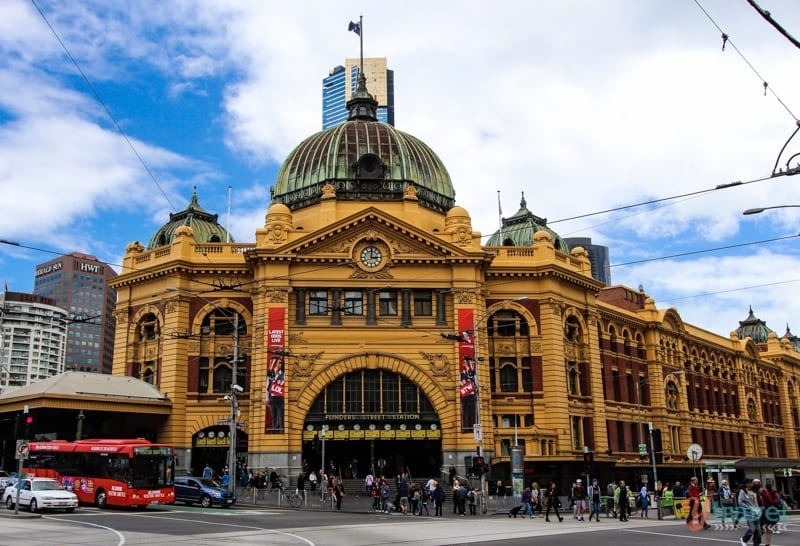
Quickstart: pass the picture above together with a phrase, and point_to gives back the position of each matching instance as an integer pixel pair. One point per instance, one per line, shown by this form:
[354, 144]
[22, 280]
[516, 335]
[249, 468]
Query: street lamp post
[759, 210]
[236, 390]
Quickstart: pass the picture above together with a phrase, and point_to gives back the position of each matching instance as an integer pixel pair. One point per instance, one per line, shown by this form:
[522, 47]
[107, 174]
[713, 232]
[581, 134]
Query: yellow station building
[368, 308]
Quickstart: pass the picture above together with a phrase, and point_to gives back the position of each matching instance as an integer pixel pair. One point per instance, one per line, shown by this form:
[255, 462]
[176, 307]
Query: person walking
[579, 498]
[552, 502]
[726, 500]
[594, 500]
[611, 489]
[695, 502]
[338, 493]
[748, 508]
[438, 499]
[644, 502]
[621, 500]
[526, 502]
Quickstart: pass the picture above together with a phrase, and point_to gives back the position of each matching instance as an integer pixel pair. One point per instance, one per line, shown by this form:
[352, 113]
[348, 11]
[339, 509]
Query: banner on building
[276, 373]
[468, 386]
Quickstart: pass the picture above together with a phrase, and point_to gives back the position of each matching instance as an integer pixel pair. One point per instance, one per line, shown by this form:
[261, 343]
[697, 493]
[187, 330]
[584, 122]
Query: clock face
[371, 256]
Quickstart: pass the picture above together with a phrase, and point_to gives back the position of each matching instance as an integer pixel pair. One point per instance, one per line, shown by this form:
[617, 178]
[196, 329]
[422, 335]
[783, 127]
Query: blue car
[203, 491]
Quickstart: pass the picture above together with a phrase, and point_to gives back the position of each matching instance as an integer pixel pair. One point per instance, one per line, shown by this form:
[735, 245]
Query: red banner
[468, 381]
[276, 373]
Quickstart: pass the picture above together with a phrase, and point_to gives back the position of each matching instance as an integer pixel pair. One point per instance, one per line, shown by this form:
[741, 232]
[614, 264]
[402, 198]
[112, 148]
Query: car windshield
[46, 485]
[210, 483]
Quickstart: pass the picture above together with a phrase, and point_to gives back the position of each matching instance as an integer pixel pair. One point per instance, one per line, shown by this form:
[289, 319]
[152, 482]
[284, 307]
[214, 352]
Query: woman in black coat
[552, 502]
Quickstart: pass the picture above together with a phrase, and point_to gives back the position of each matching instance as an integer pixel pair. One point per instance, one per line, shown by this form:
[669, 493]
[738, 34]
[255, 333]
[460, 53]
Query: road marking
[120, 536]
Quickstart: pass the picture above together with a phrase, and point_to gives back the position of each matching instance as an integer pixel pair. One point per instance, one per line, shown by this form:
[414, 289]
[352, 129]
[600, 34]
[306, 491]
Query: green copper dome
[793, 339]
[518, 230]
[364, 160]
[205, 226]
[754, 328]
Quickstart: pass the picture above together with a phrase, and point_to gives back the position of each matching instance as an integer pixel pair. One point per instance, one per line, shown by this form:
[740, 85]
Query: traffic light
[478, 465]
[28, 427]
[588, 457]
[657, 445]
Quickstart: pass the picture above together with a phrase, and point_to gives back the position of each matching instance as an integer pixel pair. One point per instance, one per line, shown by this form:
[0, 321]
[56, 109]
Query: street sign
[22, 450]
[695, 452]
[642, 449]
[477, 433]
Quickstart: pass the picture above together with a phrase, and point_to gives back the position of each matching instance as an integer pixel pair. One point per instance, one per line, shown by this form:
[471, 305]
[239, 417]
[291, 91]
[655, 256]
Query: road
[179, 525]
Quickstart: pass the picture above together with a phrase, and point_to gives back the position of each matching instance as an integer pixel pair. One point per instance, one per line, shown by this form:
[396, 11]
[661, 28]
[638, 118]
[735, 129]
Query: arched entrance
[210, 447]
[373, 419]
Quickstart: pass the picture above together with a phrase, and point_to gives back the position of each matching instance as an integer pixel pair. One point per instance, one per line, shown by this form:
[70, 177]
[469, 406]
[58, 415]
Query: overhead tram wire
[726, 39]
[693, 252]
[103, 104]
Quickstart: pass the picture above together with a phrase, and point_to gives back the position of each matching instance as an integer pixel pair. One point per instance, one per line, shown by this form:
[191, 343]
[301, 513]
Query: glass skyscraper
[340, 84]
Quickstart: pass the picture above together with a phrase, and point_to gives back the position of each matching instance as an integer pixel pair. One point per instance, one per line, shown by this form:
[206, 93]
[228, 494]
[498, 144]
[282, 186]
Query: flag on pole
[499, 208]
[354, 27]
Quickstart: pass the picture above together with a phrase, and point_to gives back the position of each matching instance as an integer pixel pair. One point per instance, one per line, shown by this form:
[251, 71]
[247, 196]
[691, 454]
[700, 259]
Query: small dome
[204, 226]
[519, 229]
[792, 339]
[363, 159]
[754, 328]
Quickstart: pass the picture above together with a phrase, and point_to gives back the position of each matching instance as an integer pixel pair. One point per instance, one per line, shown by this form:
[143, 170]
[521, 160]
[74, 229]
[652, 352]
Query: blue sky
[583, 105]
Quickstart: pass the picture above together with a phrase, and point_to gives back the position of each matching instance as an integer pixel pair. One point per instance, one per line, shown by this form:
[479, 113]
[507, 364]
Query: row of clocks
[371, 426]
[211, 434]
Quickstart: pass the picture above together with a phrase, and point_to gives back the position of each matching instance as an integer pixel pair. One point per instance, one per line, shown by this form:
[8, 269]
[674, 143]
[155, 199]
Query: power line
[690, 253]
[103, 104]
[726, 39]
[768, 16]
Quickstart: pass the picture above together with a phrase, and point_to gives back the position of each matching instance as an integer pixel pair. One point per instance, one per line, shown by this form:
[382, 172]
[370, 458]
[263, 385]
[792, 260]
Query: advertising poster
[468, 387]
[276, 374]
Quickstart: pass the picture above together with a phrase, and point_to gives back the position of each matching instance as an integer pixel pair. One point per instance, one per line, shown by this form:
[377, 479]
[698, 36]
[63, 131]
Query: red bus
[108, 472]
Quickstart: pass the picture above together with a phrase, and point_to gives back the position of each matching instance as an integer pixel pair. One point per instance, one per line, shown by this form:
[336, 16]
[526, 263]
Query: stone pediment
[403, 240]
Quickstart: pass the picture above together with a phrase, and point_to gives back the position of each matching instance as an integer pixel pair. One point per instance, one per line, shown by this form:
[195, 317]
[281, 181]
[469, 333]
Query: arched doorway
[370, 419]
[210, 446]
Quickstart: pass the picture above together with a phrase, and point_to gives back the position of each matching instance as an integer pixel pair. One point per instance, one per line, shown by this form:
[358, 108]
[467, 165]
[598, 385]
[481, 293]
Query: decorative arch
[211, 307]
[443, 403]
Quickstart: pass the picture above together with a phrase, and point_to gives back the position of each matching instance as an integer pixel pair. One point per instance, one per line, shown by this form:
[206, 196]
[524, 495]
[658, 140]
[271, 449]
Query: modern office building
[367, 316]
[340, 84]
[33, 333]
[79, 283]
[598, 254]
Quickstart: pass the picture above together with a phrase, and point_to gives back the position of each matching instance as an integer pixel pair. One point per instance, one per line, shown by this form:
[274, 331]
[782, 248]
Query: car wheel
[101, 500]
[205, 502]
[70, 510]
[33, 506]
[9, 502]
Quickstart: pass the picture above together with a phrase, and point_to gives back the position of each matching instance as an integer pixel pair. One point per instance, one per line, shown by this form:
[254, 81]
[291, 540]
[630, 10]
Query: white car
[40, 494]
[4, 479]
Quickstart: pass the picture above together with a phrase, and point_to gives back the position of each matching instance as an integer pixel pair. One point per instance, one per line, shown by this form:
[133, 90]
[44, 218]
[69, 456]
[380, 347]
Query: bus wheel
[101, 499]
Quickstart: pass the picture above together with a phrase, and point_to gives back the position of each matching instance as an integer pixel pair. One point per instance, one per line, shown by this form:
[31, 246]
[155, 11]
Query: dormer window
[370, 166]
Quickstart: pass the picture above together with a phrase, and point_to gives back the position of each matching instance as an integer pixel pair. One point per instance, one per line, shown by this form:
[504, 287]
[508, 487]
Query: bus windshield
[151, 470]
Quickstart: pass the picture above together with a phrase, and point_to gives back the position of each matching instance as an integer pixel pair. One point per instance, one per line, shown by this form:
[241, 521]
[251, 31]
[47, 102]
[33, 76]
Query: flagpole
[361, 40]
[500, 217]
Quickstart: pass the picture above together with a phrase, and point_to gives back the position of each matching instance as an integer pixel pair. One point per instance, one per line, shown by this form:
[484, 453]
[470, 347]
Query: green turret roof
[518, 230]
[205, 226]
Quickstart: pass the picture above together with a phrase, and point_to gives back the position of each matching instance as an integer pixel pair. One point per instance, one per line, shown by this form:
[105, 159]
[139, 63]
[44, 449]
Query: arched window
[222, 378]
[508, 378]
